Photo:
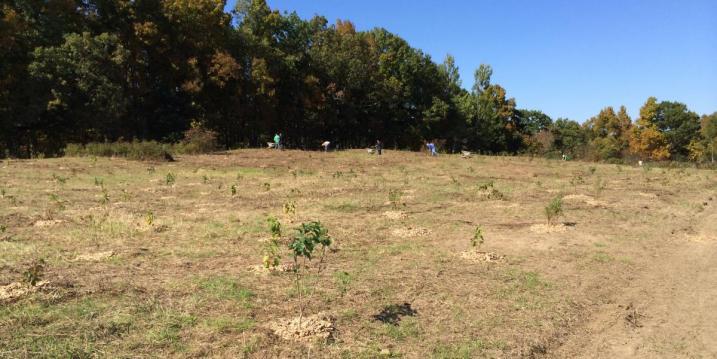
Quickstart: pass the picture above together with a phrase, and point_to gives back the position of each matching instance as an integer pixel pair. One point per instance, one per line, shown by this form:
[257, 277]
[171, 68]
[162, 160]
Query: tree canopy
[97, 70]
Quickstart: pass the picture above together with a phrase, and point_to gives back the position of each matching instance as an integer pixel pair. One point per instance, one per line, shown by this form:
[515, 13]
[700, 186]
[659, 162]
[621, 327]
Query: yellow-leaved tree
[646, 140]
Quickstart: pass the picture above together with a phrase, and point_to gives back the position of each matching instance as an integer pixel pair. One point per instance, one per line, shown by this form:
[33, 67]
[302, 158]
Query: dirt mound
[411, 232]
[47, 223]
[94, 257]
[16, 290]
[282, 268]
[315, 326]
[395, 215]
[481, 256]
[555, 228]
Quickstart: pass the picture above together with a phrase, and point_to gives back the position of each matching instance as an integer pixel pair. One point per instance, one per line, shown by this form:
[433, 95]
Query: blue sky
[566, 58]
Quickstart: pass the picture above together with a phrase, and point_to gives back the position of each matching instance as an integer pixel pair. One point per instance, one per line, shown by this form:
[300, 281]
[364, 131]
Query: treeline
[79, 71]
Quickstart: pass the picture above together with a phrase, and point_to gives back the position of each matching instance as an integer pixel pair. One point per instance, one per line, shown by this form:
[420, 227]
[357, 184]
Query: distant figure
[431, 148]
[379, 147]
[325, 145]
[639, 163]
[565, 157]
[277, 140]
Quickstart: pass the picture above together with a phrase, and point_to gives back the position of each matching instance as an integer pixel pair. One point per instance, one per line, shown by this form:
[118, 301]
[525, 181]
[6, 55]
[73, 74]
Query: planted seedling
[149, 218]
[307, 237]
[169, 179]
[34, 273]
[271, 256]
[290, 209]
[234, 190]
[477, 239]
[554, 209]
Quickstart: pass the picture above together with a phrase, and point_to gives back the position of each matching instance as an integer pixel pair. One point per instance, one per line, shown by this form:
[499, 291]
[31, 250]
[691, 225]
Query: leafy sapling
[271, 256]
[308, 236]
[477, 239]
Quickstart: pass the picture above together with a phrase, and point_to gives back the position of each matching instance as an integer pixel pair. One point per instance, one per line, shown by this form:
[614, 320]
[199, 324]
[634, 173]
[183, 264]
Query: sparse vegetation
[477, 239]
[162, 268]
[554, 209]
[169, 179]
[34, 273]
[394, 197]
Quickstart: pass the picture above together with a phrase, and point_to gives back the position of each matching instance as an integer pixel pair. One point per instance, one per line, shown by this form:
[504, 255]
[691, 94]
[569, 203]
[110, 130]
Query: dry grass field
[164, 260]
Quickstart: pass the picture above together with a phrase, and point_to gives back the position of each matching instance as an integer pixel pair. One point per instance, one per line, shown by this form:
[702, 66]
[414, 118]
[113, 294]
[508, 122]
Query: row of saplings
[312, 237]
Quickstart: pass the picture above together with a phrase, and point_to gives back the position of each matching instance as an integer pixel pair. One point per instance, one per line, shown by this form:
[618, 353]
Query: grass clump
[225, 288]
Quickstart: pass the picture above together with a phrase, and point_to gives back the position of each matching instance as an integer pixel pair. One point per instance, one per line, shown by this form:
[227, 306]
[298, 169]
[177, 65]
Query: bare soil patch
[318, 326]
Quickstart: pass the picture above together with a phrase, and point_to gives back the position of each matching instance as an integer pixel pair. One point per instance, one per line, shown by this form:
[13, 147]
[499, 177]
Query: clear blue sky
[568, 58]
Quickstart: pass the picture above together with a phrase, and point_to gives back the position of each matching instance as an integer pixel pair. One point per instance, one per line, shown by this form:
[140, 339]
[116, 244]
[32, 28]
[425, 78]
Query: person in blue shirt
[431, 148]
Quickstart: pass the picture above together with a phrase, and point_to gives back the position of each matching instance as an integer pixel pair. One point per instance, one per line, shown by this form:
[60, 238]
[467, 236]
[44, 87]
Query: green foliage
[554, 209]
[487, 191]
[271, 256]
[225, 288]
[189, 74]
[169, 179]
[33, 274]
[477, 239]
[308, 236]
[274, 227]
[234, 190]
[149, 218]
[290, 209]
[105, 199]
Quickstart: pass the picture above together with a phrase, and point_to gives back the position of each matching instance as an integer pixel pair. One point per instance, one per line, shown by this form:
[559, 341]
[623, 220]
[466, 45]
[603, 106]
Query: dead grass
[187, 284]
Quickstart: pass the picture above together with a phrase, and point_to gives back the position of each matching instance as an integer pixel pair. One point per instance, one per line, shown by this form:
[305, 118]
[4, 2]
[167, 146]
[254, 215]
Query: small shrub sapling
[306, 239]
[554, 209]
[271, 256]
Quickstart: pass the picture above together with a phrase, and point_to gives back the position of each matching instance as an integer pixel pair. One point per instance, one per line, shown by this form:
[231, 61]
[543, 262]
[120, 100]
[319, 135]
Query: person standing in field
[277, 139]
[431, 148]
[379, 147]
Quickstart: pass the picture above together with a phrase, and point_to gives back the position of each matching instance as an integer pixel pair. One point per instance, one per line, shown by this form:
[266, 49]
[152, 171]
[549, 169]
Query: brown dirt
[669, 309]
[479, 256]
[16, 290]
[318, 326]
